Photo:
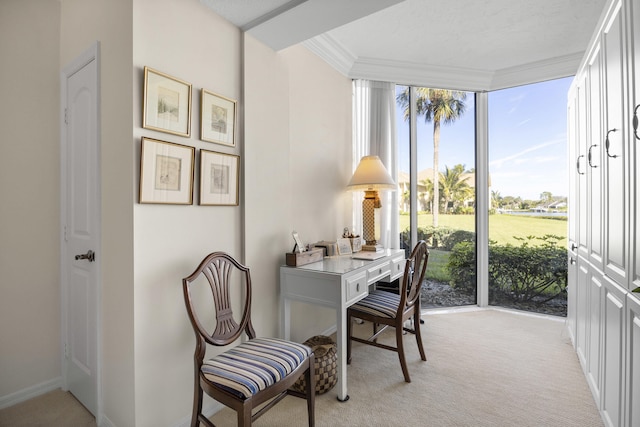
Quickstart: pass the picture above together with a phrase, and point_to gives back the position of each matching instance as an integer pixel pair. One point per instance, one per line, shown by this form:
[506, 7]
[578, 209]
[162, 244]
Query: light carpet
[484, 368]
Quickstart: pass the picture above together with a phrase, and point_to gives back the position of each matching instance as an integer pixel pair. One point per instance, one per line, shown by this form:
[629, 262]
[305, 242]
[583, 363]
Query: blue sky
[527, 140]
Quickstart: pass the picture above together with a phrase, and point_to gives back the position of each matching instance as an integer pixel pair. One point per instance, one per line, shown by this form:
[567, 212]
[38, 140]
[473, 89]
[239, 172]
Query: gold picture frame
[217, 119]
[166, 103]
[219, 178]
[166, 172]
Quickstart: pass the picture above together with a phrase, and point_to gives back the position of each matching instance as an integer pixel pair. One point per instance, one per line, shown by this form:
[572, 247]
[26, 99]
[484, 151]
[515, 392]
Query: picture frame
[219, 178]
[166, 103]
[344, 246]
[166, 172]
[217, 119]
[299, 246]
[356, 244]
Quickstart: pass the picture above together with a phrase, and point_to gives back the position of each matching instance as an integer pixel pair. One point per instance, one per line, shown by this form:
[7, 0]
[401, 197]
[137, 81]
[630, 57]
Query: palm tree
[439, 106]
[454, 187]
[496, 198]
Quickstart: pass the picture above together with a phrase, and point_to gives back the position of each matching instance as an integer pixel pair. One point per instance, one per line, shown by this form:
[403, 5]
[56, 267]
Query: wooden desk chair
[249, 374]
[390, 309]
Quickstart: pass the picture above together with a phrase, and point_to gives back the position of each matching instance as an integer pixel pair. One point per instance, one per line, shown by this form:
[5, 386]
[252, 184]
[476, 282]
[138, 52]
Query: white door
[81, 228]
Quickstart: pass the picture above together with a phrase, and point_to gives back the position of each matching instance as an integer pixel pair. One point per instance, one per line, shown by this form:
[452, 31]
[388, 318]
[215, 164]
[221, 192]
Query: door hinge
[66, 237]
[66, 112]
[66, 351]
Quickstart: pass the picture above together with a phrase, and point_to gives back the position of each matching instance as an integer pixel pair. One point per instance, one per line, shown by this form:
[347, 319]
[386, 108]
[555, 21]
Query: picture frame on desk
[344, 246]
[356, 244]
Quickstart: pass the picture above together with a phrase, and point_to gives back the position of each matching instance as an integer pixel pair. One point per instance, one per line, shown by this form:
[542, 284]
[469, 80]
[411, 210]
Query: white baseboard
[105, 422]
[30, 392]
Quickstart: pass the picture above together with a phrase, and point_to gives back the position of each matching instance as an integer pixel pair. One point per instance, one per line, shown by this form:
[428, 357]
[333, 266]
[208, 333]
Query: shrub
[517, 273]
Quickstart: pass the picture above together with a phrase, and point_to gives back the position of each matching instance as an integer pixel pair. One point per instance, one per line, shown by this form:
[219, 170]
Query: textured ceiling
[460, 37]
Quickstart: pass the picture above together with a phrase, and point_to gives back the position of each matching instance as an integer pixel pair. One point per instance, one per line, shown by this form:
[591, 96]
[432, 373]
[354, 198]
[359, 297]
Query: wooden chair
[256, 371]
[390, 309]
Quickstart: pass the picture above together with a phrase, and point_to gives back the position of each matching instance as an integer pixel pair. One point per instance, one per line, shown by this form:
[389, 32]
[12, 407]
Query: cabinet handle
[635, 121]
[606, 143]
[589, 156]
[578, 164]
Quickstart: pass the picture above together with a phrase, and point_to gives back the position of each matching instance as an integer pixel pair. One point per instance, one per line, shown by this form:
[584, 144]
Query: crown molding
[538, 71]
[417, 74]
[332, 52]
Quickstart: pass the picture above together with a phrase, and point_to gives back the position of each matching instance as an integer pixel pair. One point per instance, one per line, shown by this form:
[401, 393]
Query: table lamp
[370, 176]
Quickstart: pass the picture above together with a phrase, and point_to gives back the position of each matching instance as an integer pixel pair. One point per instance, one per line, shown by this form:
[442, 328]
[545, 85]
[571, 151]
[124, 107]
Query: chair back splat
[244, 376]
[392, 310]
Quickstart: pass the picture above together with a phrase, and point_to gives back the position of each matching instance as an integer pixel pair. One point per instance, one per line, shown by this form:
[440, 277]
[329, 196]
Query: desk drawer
[356, 287]
[377, 272]
[397, 268]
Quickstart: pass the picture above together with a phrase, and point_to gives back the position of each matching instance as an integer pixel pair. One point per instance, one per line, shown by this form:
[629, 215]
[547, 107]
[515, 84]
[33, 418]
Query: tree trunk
[436, 175]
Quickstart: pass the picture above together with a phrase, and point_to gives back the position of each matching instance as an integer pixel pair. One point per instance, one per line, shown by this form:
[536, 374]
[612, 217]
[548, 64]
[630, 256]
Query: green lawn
[502, 228]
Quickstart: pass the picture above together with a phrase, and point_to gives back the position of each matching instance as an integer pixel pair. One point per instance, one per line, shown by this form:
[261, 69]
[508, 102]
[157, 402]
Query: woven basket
[326, 365]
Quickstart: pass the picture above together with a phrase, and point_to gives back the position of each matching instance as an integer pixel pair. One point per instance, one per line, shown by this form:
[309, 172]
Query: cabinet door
[582, 184]
[615, 184]
[612, 353]
[634, 137]
[633, 362]
[594, 158]
[572, 286]
[582, 311]
[594, 333]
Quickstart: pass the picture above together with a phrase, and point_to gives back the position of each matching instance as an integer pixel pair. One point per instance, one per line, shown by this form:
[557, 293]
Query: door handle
[90, 256]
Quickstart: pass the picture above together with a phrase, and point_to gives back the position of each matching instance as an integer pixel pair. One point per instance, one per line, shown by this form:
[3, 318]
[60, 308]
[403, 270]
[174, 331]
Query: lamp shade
[371, 175]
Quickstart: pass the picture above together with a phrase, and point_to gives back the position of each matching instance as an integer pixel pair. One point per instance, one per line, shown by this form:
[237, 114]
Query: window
[528, 210]
[436, 179]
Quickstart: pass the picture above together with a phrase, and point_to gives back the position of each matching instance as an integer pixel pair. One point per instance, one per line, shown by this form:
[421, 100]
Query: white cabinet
[633, 114]
[615, 174]
[613, 353]
[594, 326]
[604, 216]
[633, 361]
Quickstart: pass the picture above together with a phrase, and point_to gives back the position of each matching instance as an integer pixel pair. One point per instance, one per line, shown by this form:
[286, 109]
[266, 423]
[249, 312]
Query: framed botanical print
[219, 175]
[218, 119]
[167, 103]
[166, 172]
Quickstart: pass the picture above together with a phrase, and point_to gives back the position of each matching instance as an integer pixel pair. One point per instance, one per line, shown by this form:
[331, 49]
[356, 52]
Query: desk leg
[341, 338]
[285, 324]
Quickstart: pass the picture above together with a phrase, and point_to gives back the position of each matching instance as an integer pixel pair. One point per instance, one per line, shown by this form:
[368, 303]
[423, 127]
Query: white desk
[336, 282]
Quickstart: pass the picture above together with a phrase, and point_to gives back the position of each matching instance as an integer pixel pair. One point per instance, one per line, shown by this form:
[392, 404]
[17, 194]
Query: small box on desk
[297, 259]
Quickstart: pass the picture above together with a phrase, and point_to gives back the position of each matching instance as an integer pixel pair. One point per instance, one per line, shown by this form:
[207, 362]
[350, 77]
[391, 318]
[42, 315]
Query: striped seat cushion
[379, 303]
[254, 365]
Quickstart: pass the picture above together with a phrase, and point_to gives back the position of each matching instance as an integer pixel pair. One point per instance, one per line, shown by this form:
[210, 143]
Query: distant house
[423, 194]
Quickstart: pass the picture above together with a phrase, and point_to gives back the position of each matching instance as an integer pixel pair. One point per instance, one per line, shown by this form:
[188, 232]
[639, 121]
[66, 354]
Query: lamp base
[372, 248]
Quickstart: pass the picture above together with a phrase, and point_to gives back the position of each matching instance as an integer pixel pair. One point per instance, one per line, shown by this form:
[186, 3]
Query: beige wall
[185, 40]
[29, 182]
[110, 22]
[295, 151]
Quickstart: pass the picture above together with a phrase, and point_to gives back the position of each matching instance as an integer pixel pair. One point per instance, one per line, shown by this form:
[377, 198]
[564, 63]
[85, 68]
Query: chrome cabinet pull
[606, 143]
[635, 121]
[578, 164]
[589, 156]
